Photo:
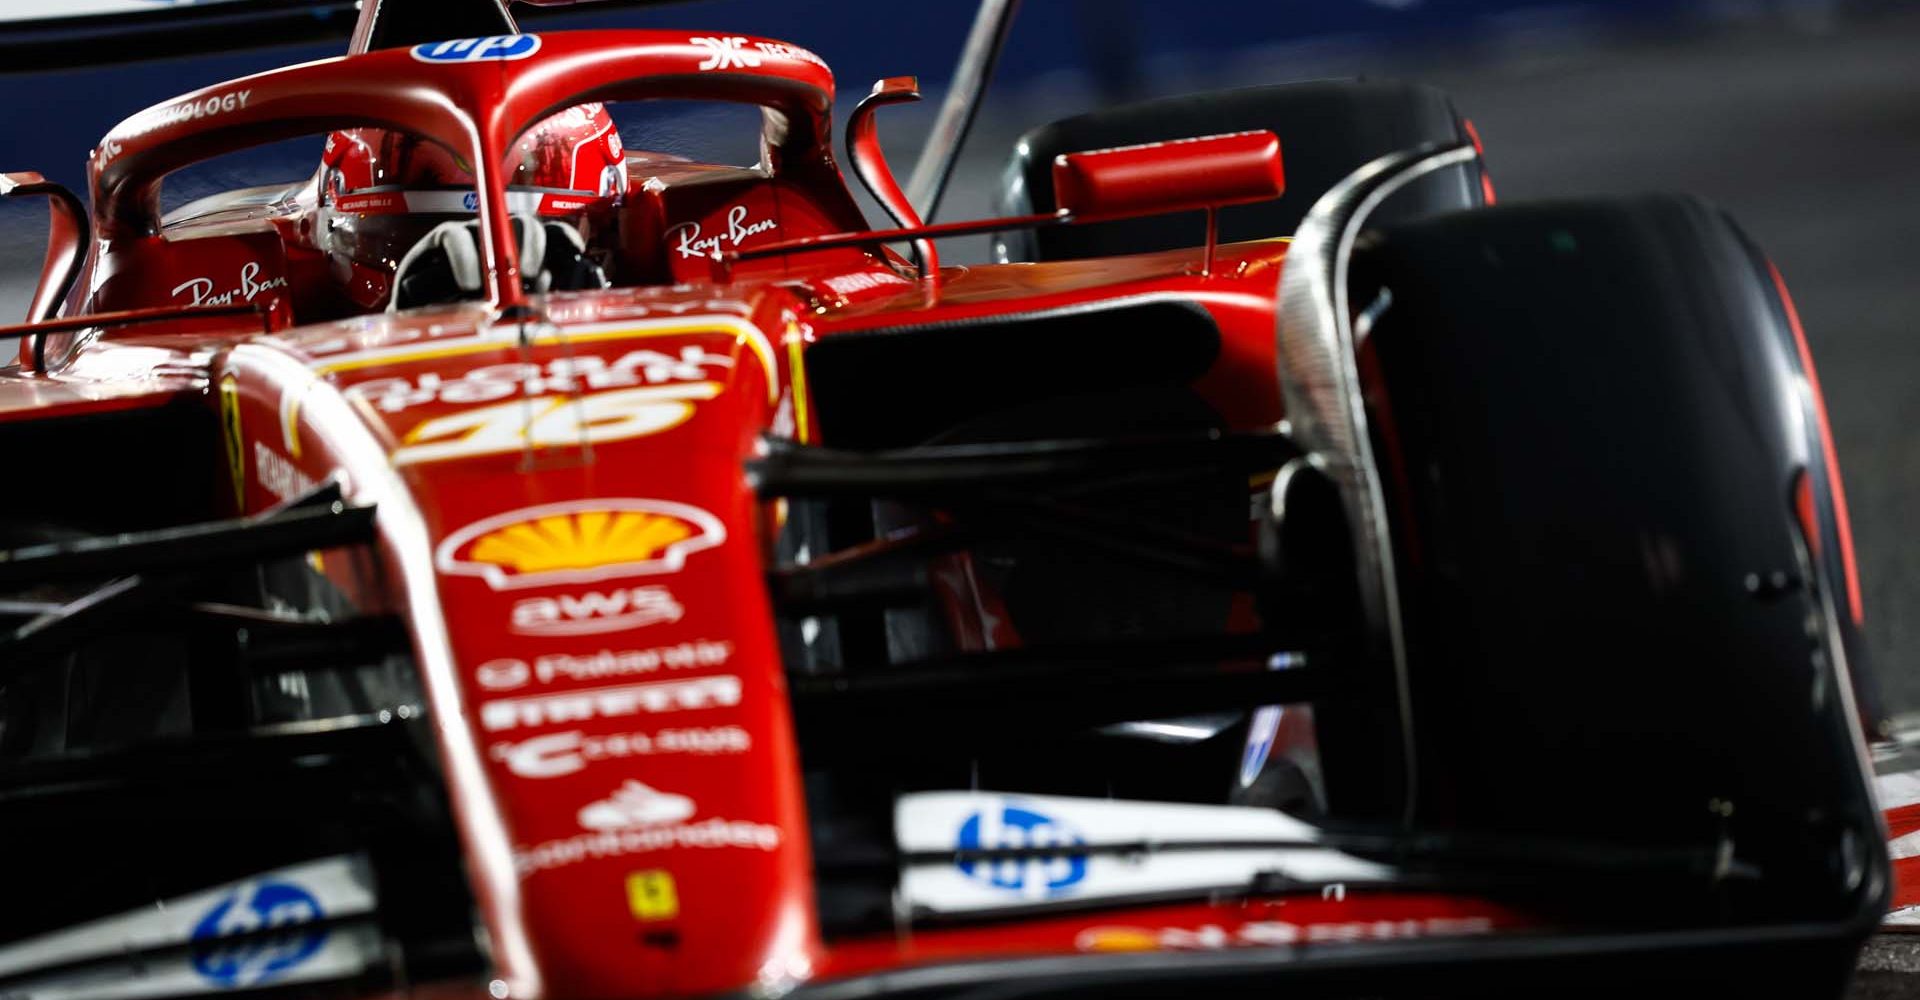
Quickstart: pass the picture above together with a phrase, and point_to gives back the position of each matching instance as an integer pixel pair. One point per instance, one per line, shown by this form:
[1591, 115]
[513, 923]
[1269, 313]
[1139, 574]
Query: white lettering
[201, 288]
[203, 294]
[721, 691]
[593, 612]
[502, 675]
[726, 53]
[692, 244]
[172, 114]
[608, 664]
[582, 373]
[861, 281]
[706, 834]
[789, 52]
[554, 422]
[557, 754]
[507, 674]
[278, 475]
[633, 310]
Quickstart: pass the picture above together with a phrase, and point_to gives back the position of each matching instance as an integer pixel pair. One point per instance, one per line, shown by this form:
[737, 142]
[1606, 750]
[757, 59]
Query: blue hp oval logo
[499, 48]
[1013, 827]
[282, 909]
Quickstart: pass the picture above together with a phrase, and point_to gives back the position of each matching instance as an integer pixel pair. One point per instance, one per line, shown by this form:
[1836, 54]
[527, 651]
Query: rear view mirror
[1129, 181]
[66, 235]
[1182, 175]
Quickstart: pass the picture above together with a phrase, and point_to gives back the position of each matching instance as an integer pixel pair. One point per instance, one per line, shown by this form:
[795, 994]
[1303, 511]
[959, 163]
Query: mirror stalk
[1101, 185]
[66, 234]
[870, 165]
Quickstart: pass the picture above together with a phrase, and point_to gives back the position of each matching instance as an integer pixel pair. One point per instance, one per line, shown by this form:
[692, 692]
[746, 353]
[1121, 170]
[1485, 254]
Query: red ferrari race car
[509, 564]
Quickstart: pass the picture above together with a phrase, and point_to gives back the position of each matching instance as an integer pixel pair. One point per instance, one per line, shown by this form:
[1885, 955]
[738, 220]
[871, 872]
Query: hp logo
[1011, 827]
[499, 48]
[283, 911]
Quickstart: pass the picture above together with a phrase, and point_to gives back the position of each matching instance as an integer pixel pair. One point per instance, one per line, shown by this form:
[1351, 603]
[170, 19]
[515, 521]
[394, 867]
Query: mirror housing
[1158, 178]
[66, 235]
[1182, 175]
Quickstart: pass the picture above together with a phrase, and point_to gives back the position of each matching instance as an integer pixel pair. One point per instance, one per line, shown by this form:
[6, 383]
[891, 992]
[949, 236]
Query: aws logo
[593, 611]
[579, 542]
[497, 48]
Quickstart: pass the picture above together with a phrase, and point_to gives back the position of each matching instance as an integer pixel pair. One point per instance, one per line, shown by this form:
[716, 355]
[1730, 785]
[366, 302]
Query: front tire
[1594, 425]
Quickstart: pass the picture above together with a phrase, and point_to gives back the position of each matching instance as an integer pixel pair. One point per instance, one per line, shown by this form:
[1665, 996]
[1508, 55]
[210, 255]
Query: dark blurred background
[1800, 116]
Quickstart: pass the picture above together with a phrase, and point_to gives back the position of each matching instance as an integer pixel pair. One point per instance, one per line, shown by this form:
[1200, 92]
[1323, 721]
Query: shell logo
[579, 542]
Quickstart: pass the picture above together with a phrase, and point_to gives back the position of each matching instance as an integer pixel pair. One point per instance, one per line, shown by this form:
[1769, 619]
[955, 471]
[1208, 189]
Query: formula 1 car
[506, 564]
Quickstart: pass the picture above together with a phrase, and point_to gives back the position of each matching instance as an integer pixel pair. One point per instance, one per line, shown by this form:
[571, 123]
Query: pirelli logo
[722, 691]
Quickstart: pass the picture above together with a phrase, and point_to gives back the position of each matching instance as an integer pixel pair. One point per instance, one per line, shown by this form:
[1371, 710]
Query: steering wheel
[444, 265]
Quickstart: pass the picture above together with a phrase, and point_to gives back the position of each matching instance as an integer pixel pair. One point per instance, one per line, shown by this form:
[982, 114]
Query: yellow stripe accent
[797, 368]
[290, 422]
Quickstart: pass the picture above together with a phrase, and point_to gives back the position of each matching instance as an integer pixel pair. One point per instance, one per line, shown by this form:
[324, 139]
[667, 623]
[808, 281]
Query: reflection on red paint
[1842, 521]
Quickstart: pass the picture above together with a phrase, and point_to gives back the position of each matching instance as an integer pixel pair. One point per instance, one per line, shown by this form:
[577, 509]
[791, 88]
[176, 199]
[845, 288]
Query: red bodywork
[564, 518]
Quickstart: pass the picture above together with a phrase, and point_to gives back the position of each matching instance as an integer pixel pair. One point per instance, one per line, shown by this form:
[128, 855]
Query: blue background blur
[1115, 48]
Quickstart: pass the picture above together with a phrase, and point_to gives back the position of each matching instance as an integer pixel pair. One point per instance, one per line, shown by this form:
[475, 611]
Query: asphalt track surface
[1889, 969]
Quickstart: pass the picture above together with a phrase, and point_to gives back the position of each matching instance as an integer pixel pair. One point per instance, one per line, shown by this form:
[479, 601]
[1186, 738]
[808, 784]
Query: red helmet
[383, 191]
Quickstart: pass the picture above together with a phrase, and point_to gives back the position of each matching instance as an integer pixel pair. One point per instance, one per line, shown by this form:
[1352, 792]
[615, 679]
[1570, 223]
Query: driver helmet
[382, 192]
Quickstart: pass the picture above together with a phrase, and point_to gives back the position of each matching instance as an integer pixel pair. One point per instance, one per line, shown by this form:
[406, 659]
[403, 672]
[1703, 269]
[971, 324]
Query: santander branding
[593, 612]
